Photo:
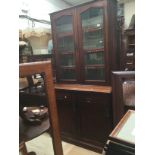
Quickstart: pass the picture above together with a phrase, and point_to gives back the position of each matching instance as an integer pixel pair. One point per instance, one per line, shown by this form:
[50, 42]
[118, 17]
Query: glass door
[65, 47]
[92, 43]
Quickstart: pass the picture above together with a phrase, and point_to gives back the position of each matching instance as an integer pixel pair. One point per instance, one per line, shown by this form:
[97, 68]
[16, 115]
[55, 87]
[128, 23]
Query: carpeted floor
[42, 145]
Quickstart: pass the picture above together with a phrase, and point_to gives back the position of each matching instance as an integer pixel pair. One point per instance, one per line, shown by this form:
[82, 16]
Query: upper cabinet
[85, 42]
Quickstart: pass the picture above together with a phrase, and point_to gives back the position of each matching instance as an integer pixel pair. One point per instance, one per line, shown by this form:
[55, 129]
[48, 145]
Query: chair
[123, 93]
[44, 67]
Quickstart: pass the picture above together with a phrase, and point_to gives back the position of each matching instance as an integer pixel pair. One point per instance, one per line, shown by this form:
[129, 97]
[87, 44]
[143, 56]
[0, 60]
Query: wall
[40, 9]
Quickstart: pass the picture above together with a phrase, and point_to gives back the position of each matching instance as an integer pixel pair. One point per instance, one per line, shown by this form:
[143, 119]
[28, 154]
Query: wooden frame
[113, 135]
[117, 93]
[44, 67]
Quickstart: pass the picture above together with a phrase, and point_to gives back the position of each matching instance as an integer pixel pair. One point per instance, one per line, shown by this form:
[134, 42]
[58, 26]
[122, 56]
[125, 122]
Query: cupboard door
[66, 112]
[92, 38]
[64, 40]
[95, 116]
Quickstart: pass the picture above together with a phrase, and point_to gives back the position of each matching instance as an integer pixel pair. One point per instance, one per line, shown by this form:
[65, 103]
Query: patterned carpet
[42, 145]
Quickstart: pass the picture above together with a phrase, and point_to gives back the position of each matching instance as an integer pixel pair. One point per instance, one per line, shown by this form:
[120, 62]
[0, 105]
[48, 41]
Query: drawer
[64, 96]
[93, 98]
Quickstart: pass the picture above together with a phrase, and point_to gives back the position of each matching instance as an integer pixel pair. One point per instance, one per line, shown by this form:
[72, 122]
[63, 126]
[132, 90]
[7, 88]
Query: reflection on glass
[92, 26]
[64, 24]
[68, 74]
[129, 93]
[66, 44]
[94, 58]
[67, 60]
[94, 73]
[92, 18]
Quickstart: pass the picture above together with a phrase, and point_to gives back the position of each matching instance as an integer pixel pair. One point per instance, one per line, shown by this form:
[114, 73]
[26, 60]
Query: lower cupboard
[85, 118]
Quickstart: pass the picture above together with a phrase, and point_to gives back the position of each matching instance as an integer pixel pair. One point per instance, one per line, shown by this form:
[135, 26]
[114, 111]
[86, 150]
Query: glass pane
[92, 26]
[68, 74]
[67, 60]
[93, 39]
[64, 24]
[94, 58]
[92, 18]
[66, 44]
[94, 73]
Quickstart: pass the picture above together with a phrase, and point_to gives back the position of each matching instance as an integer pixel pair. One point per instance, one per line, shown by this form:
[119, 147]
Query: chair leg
[22, 148]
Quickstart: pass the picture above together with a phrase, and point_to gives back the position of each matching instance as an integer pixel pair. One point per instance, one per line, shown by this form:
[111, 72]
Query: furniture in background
[123, 95]
[128, 47]
[33, 58]
[122, 139]
[27, 131]
[129, 54]
[85, 42]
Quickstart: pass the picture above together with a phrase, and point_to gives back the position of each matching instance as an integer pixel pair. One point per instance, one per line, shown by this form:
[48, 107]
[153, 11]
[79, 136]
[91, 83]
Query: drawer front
[93, 98]
[64, 96]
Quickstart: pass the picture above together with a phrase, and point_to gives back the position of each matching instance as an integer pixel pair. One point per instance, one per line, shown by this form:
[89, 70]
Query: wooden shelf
[131, 44]
[89, 51]
[67, 53]
[95, 66]
[88, 88]
[64, 34]
[85, 30]
[68, 67]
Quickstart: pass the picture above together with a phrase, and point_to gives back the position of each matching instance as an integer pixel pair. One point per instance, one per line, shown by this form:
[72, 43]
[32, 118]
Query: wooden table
[28, 132]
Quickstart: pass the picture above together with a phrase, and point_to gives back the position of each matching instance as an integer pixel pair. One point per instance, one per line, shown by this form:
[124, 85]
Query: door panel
[92, 37]
[65, 103]
[65, 41]
[95, 116]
